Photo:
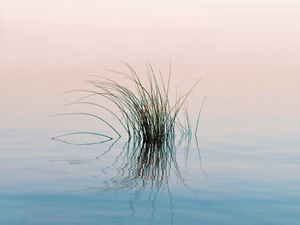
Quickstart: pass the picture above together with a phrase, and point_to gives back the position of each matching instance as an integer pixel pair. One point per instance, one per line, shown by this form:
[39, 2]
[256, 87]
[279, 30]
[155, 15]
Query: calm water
[248, 58]
[249, 177]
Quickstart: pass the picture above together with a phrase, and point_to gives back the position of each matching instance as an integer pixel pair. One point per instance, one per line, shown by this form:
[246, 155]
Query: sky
[247, 52]
[211, 33]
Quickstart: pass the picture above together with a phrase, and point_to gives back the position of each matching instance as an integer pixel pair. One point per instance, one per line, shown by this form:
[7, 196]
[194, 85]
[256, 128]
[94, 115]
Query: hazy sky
[248, 52]
[209, 33]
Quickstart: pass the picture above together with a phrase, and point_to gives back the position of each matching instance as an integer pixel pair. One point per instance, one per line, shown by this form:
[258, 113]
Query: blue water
[115, 208]
[240, 181]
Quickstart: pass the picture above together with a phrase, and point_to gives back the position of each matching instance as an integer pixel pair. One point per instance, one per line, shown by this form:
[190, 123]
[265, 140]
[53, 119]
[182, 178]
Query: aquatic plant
[146, 112]
[144, 109]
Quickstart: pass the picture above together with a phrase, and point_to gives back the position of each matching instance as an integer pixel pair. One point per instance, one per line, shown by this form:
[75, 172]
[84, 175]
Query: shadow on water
[147, 160]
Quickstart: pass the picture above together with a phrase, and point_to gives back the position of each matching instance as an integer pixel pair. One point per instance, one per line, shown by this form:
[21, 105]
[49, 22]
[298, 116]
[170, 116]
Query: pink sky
[248, 52]
[210, 33]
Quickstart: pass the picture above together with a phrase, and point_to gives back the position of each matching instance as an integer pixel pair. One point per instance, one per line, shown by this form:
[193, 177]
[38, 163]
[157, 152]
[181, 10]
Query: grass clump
[146, 112]
[151, 120]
